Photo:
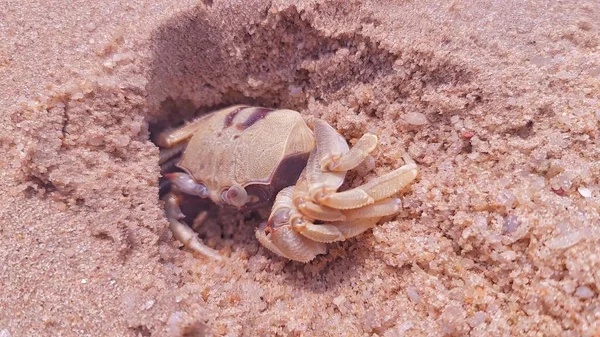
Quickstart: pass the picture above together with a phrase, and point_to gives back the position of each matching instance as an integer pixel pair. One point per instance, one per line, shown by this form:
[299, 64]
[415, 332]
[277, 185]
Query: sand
[498, 102]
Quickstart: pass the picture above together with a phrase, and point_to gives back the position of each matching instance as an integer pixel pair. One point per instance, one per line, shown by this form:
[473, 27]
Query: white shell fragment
[567, 240]
[416, 118]
[584, 292]
[585, 192]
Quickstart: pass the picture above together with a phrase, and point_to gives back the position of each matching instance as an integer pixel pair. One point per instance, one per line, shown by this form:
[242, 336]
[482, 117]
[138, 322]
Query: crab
[252, 157]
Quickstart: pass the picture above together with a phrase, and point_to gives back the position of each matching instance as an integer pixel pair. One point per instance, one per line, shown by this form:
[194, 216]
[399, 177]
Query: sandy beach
[498, 102]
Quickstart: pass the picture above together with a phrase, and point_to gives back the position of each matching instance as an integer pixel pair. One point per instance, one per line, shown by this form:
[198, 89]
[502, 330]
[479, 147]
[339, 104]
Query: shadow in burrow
[206, 59]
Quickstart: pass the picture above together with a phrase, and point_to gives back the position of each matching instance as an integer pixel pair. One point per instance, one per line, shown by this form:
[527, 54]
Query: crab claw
[295, 246]
[318, 232]
[263, 236]
[280, 235]
[185, 183]
[288, 243]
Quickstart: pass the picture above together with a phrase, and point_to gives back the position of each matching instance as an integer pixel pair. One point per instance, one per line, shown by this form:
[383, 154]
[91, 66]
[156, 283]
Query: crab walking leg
[170, 138]
[279, 236]
[182, 232]
[330, 144]
[319, 232]
[170, 154]
[295, 246]
[315, 182]
[300, 198]
[265, 240]
[313, 177]
[353, 228]
[320, 212]
[334, 154]
[376, 189]
[186, 184]
[357, 154]
[286, 243]
[377, 209]
[284, 214]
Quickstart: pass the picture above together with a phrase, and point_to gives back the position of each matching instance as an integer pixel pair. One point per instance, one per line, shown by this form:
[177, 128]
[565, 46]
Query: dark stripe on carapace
[257, 114]
[231, 116]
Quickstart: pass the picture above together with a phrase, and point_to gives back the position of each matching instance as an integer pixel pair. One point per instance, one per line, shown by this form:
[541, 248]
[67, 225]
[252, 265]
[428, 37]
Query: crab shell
[230, 147]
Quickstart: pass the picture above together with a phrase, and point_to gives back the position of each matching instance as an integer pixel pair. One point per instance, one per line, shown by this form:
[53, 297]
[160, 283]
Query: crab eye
[236, 195]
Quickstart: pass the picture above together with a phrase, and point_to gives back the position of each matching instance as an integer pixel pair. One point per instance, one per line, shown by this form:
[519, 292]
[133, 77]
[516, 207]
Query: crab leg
[299, 197]
[265, 240]
[284, 213]
[314, 177]
[182, 232]
[376, 189]
[353, 228]
[357, 154]
[286, 242]
[330, 144]
[319, 232]
[294, 245]
[320, 212]
[377, 209]
[168, 155]
[334, 154]
[314, 182]
[186, 184]
[280, 234]
[170, 138]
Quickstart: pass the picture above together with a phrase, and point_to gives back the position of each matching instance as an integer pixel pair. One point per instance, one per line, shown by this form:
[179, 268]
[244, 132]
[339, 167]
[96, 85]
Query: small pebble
[511, 223]
[295, 91]
[149, 304]
[476, 319]
[254, 83]
[110, 64]
[509, 255]
[413, 294]
[96, 141]
[338, 301]
[585, 192]
[174, 324]
[61, 206]
[566, 240]
[121, 140]
[90, 27]
[541, 61]
[403, 327]
[584, 292]
[77, 96]
[416, 118]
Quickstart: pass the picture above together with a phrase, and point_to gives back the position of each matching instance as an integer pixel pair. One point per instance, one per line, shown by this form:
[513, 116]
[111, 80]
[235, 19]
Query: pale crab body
[229, 152]
[247, 156]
